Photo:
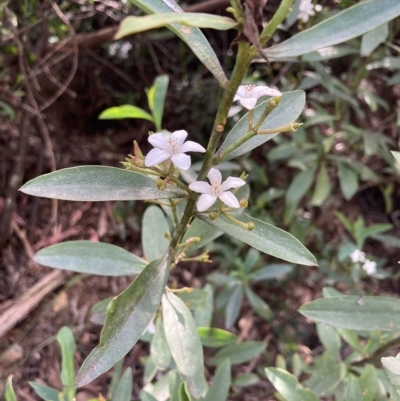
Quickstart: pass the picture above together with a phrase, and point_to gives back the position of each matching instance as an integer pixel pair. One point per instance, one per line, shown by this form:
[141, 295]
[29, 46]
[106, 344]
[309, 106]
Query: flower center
[173, 145]
[249, 87]
[216, 187]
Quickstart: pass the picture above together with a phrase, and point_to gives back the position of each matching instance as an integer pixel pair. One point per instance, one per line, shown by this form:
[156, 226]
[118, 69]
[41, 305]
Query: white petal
[201, 187]
[232, 182]
[159, 141]
[156, 156]
[229, 199]
[180, 136]
[205, 201]
[248, 103]
[214, 176]
[191, 146]
[266, 91]
[181, 161]
[241, 92]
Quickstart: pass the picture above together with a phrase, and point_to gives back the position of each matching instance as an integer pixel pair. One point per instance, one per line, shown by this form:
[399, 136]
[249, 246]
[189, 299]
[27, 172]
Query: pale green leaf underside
[392, 367]
[131, 25]
[194, 38]
[97, 183]
[288, 110]
[348, 312]
[90, 257]
[127, 317]
[265, 237]
[125, 111]
[346, 25]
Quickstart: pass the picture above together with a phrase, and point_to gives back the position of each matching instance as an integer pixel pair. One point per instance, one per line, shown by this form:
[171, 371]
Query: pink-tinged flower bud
[136, 150]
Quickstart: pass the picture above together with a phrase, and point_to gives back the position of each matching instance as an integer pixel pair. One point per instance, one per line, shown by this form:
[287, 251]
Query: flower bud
[213, 215]
[243, 203]
[138, 162]
[136, 151]
[244, 176]
[160, 184]
[250, 226]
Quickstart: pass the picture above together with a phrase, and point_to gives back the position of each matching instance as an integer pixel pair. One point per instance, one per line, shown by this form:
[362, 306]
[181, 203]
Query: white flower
[357, 256]
[306, 10]
[369, 266]
[249, 94]
[217, 189]
[171, 146]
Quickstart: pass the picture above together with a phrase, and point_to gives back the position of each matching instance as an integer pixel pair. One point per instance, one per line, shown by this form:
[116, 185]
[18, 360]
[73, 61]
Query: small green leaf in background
[238, 353]
[266, 238]
[375, 313]
[259, 305]
[271, 272]
[353, 390]
[159, 349]
[131, 25]
[392, 367]
[9, 392]
[184, 392]
[204, 312]
[288, 386]
[98, 183]
[219, 388]
[123, 391]
[215, 338]
[68, 347]
[154, 228]
[184, 343]
[90, 257]
[245, 380]
[348, 181]
[174, 383]
[372, 39]
[234, 304]
[368, 383]
[192, 36]
[156, 99]
[323, 187]
[396, 155]
[45, 392]
[329, 338]
[127, 317]
[343, 26]
[125, 111]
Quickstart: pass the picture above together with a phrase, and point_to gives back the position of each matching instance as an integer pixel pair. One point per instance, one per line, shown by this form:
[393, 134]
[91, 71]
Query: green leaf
[396, 155]
[127, 317]
[238, 353]
[125, 111]
[219, 388]
[392, 367]
[184, 392]
[353, 390]
[45, 392]
[287, 111]
[260, 306]
[368, 383]
[271, 272]
[68, 347]
[328, 53]
[265, 237]
[202, 230]
[329, 338]
[156, 97]
[391, 63]
[245, 380]
[9, 393]
[288, 386]
[373, 313]
[348, 181]
[123, 391]
[184, 343]
[90, 257]
[154, 228]
[97, 183]
[174, 383]
[193, 37]
[234, 304]
[346, 25]
[323, 187]
[159, 349]
[215, 338]
[372, 39]
[131, 25]
[204, 311]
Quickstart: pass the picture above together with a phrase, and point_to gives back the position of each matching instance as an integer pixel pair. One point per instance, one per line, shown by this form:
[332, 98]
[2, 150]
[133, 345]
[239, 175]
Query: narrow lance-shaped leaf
[9, 392]
[184, 343]
[90, 257]
[45, 392]
[265, 237]
[346, 25]
[156, 99]
[287, 111]
[123, 391]
[219, 388]
[98, 183]
[125, 111]
[192, 36]
[131, 25]
[127, 317]
[350, 312]
[68, 347]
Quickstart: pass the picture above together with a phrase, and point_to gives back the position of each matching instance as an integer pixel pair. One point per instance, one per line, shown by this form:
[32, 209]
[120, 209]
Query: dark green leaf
[348, 181]
[234, 304]
[259, 305]
[265, 237]
[372, 313]
[323, 187]
[98, 183]
[128, 315]
[90, 257]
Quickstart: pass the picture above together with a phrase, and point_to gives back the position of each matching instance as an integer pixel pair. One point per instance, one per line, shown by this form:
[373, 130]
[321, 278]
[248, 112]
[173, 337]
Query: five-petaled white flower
[249, 94]
[306, 10]
[217, 189]
[369, 266]
[171, 146]
[357, 256]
